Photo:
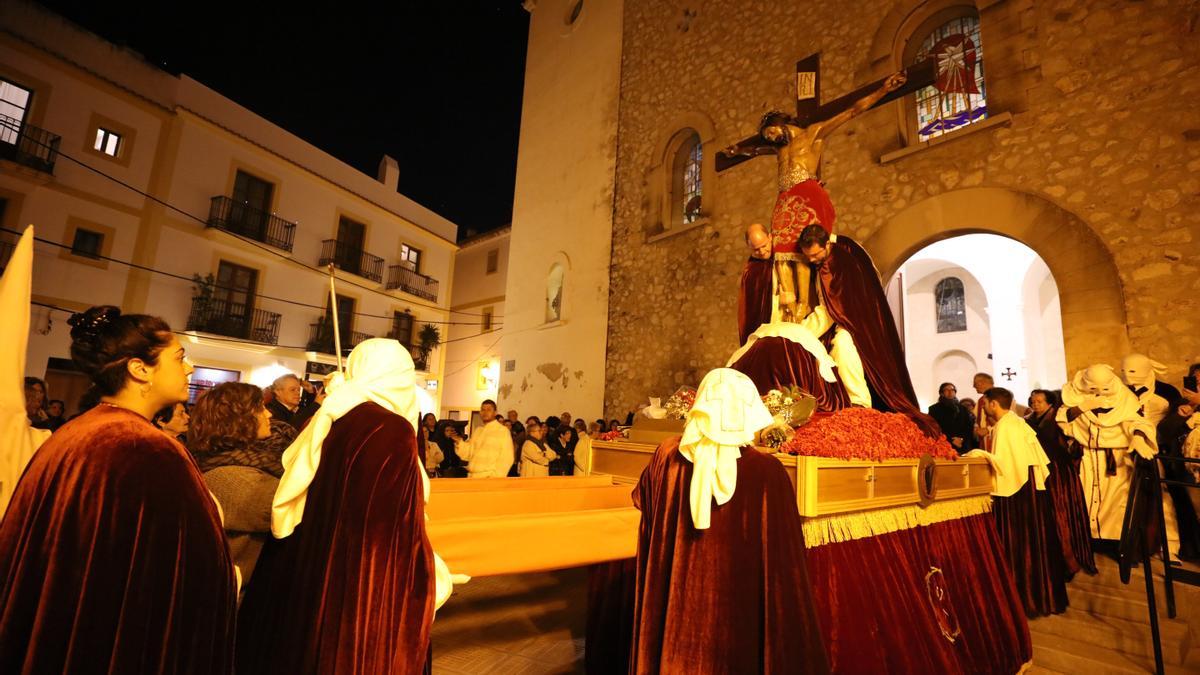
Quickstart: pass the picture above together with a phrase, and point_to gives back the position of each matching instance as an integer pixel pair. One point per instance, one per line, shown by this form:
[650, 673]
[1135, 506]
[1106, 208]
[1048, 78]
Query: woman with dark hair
[112, 555]
[35, 402]
[173, 420]
[227, 424]
[451, 466]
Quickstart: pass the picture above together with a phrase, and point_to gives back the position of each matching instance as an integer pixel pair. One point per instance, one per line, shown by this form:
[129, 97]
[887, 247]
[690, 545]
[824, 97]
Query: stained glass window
[951, 305]
[687, 181]
[960, 64]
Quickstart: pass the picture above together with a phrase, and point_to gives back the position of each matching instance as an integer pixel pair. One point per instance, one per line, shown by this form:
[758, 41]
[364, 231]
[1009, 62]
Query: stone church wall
[1091, 156]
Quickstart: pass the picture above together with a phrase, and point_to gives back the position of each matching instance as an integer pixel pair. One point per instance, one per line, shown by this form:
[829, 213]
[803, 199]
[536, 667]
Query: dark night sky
[435, 84]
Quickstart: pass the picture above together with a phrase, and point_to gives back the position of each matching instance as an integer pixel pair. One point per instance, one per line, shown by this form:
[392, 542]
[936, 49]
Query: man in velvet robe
[722, 584]
[853, 297]
[754, 299]
[1023, 507]
[1066, 491]
[352, 584]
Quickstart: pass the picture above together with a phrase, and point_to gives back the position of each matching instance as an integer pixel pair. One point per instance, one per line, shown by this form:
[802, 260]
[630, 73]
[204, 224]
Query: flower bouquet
[680, 403]
[863, 433]
[616, 435]
[792, 405]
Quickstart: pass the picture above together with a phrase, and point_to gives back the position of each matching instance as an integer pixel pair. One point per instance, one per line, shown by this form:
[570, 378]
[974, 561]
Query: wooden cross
[809, 108]
[1009, 374]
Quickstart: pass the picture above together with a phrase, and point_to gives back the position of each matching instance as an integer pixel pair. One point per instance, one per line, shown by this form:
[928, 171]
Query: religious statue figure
[802, 199]
[825, 285]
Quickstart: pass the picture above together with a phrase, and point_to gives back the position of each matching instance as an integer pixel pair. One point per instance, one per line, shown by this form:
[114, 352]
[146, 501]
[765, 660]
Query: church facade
[1078, 140]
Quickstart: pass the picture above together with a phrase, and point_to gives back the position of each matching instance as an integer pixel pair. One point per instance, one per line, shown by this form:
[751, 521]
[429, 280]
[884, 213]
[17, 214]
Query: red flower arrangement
[611, 436]
[863, 433]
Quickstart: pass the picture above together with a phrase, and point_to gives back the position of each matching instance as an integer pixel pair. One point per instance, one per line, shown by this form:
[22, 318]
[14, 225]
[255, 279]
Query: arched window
[554, 292]
[960, 97]
[686, 181]
[951, 305]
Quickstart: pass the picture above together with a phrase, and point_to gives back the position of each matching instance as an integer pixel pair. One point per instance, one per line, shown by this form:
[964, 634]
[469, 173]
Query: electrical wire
[216, 286]
[304, 348]
[187, 214]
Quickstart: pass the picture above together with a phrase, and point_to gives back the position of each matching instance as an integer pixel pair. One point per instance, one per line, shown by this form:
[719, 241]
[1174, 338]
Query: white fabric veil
[727, 414]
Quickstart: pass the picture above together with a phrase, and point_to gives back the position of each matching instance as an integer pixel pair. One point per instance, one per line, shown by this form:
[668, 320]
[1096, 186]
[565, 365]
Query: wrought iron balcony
[28, 145]
[351, 259]
[233, 319]
[320, 338]
[410, 281]
[247, 221]
[419, 360]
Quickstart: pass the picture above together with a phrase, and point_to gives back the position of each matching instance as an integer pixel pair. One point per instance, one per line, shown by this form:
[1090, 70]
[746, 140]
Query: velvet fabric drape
[754, 301]
[351, 591]
[112, 557]
[887, 603]
[612, 593]
[734, 598]
[1066, 494]
[779, 363]
[854, 297]
[1025, 524]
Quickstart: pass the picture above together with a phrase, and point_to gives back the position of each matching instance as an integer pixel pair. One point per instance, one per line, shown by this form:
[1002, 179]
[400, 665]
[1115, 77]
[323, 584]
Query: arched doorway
[979, 303]
[1089, 287]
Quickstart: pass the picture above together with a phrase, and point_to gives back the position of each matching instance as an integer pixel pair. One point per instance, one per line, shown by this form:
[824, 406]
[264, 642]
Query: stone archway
[1093, 304]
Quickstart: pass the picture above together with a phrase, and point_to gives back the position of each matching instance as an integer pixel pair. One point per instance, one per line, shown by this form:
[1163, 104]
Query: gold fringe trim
[841, 527]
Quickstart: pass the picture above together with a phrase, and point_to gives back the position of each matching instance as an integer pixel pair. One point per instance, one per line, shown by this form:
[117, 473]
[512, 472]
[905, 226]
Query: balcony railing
[234, 319]
[351, 259]
[320, 338]
[410, 281]
[247, 221]
[419, 360]
[28, 145]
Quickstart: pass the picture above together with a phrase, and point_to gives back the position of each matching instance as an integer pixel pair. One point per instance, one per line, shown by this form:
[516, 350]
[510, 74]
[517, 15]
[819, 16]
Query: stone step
[1109, 602]
[1057, 654]
[1053, 654]
[1131, 638]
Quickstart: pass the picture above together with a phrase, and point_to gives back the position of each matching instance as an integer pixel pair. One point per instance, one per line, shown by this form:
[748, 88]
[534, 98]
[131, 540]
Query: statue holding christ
[826, 293]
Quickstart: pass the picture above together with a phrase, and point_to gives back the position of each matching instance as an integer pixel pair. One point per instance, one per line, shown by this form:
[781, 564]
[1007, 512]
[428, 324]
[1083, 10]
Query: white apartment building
[141, 181]
[473, 357]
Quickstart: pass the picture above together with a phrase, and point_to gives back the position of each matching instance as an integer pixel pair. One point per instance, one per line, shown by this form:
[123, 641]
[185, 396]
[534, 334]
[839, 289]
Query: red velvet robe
[351, 591]
[855, 300]
[112, 557]
[734, 598]
[754, 300]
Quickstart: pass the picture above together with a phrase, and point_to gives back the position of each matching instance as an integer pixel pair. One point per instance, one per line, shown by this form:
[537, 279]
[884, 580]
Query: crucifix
[798, 142]
[810, 111]
[1009, 374]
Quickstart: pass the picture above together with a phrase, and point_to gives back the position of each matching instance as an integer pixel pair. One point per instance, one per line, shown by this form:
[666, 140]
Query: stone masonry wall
[1105, 124]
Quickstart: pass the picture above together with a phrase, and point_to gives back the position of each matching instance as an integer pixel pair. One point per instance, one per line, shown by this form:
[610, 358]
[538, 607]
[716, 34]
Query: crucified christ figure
[802, 200]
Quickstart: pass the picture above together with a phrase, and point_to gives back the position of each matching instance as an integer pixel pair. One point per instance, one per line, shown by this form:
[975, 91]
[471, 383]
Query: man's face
[487, 412]
[981, 384]
[816, 255]
[288, 393]
[774, 133]
[512, 416]
[949, 391]
[1039, 403]
[565, 418]
[760, 245]
[55, 409]
[994, 411]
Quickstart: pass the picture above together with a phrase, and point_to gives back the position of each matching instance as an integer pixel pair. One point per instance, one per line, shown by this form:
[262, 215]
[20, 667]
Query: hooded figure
[1103, 417]
[1141, 374]
[722, 584]
[350, 508]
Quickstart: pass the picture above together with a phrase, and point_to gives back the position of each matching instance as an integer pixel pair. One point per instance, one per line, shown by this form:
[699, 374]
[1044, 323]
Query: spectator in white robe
[535, 455]
[489, 451]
